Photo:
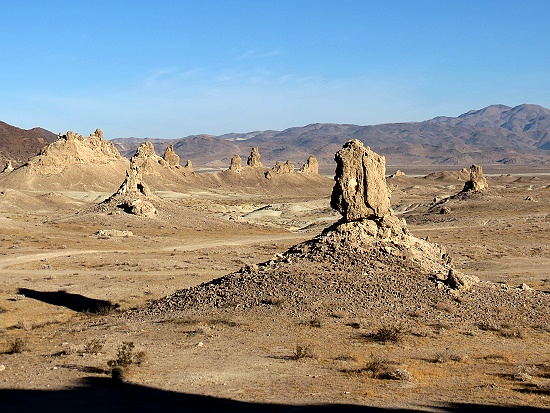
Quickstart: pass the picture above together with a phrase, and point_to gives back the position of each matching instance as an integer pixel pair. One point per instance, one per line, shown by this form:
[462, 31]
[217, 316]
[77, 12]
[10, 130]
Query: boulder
[141, 208]
[360, 190]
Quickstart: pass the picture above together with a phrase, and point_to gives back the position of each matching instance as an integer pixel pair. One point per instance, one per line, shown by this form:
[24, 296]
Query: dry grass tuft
[304, 352]
[17, 346]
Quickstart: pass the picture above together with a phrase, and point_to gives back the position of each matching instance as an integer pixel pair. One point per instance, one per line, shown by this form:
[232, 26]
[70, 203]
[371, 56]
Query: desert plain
[96, 315]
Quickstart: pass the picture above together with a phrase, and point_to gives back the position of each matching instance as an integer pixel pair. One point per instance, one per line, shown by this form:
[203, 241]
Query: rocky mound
[72, 162]
[72, 148]
[366, 265]
[133, 196]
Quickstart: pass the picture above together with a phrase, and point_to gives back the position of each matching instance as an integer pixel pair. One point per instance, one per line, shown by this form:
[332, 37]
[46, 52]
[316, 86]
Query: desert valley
[321, 276]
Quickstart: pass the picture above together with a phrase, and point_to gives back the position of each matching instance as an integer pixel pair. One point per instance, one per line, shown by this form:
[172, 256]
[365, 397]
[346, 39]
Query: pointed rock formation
[311, 167]
[133, 196]
[361, 195]
[188, 168]
[146, 159]
[133, 184]
[171, 157]
[477, 181]
[254, 158]
[236, 164]
[360, 190]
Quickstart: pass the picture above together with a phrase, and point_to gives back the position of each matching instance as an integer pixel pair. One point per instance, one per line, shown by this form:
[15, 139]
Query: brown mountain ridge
[497, 134]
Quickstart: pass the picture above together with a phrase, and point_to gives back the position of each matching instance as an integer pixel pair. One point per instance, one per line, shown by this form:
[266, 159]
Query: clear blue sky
[174, 68]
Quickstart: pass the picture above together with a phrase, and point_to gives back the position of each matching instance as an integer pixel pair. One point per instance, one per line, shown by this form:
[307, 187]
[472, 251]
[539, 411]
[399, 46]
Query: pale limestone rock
[360, 190]
[477, 181]
[171, 157]
[236, 164]
[311, 167]
[254, 158]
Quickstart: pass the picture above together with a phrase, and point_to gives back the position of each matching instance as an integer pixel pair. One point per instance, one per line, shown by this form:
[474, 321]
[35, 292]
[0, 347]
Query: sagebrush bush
[17, 346]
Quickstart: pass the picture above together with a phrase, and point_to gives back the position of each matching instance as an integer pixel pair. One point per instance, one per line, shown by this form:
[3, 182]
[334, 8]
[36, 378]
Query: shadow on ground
[75, 302]
[107, 395]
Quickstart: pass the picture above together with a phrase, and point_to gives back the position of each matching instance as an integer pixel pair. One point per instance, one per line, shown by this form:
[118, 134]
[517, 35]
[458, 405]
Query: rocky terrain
[270, 287]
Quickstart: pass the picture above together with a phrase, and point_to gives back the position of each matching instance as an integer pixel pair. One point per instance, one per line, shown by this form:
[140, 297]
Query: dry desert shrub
[385, 335]
[124, 359]
[17, 346]
[93, 347]
[448, 357]
[445, 307]
[382, 369]
[274, 301]
[504, 330]
[314, 322]
[304, 352]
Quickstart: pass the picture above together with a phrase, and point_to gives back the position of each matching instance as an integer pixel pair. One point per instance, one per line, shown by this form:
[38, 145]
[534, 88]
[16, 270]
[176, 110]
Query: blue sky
[174, 68]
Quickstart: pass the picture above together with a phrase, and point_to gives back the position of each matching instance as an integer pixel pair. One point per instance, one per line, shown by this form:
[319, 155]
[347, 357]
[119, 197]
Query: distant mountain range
[495, 134]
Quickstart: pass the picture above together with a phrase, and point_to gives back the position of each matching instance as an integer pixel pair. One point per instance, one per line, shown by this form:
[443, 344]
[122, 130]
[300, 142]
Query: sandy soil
[64, 290]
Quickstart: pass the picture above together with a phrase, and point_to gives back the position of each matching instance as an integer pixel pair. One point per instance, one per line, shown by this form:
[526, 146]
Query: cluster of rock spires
[73, 148]
[311, 167]
[147, 160]
[366, 263]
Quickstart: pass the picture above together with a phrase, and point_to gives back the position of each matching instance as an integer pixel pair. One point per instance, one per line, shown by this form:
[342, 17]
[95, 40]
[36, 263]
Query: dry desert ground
[95, 315]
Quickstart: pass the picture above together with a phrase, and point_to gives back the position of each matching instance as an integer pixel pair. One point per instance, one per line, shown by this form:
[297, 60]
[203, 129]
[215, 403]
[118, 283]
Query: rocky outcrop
[133, 196]
[171, 157]
[254, 158]
[477, 181]
[361, 195]
[311, 167]
[146, 159]
[360, 190]
[397, 173]
[8, 168]
[74, 149]
[280, 169]
[236, 164]
[188, 168]
[133, 184]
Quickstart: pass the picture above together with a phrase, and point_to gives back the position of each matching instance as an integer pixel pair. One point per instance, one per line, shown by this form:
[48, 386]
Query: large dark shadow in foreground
[105, 395]
[75, 302]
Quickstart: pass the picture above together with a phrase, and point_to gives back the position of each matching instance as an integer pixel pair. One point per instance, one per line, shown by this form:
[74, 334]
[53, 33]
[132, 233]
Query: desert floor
[64, 290]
